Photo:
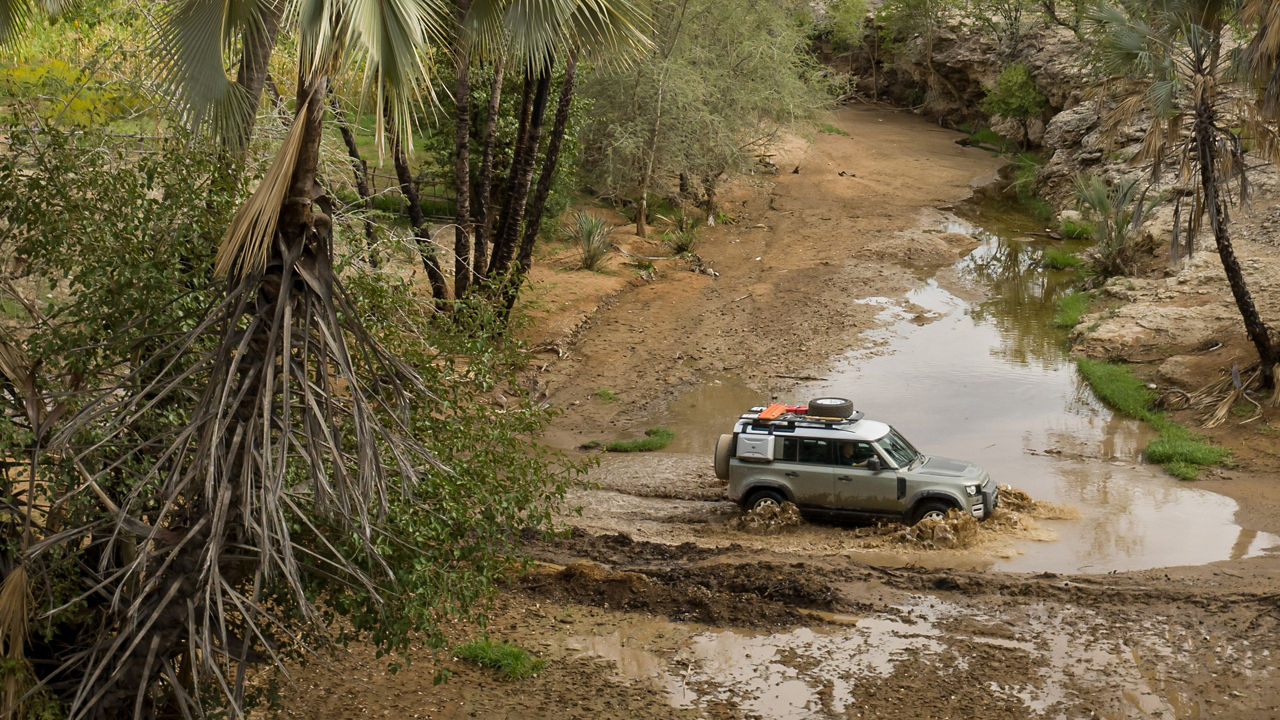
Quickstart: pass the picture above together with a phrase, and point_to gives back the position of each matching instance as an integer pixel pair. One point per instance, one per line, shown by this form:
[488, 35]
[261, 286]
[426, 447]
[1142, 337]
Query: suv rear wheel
[930, 509]
[765, 498]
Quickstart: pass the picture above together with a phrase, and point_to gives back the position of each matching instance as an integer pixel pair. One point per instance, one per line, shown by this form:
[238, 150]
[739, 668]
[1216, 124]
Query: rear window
[817, 451]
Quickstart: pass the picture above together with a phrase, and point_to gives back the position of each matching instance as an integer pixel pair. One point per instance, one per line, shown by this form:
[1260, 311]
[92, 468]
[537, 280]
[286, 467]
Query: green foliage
[513, 662]
[606, 395]
[1005, 21]
[1115, 212]
[1015, 95]
[1181, 452]
[1059, 259]
[591, 235]
[1070, 306]
[832, 129]
[1026, 165]
[1076, 230]
[654, 439]
[129, 238]
[681, 239]
[843, 22]
[721, 80]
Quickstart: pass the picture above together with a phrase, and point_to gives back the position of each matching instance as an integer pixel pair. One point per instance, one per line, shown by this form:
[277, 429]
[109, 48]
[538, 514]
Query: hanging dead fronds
[247, 242]
[15, 596]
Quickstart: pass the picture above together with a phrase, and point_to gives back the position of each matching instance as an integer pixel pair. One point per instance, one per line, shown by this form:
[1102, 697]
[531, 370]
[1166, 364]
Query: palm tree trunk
[1253, 324]
[484, 184]
[252, 75]
[409, 189]
[522, 140]
[462, 161]
[538, 205]
[522, 175]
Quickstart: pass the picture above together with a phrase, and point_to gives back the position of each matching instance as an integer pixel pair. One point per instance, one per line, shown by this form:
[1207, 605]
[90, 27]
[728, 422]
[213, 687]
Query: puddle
[818, 673]
[990, 381]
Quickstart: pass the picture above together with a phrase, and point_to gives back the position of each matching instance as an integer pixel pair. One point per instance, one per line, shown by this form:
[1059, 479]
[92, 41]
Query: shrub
[680, 239]
[1070, 307]
[1059, 259]
[515, 663]
[591, 235]
[1015, 96]
[1080, 230]
[1115, 213]
[654, 439]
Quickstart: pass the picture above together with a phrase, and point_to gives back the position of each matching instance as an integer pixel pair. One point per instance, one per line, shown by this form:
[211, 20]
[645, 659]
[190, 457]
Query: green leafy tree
[1016, 96]
[720, 82]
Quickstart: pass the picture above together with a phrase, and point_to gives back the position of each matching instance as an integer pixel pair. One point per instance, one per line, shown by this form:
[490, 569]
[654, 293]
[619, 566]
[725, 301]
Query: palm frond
[14, 16]
[247, 242]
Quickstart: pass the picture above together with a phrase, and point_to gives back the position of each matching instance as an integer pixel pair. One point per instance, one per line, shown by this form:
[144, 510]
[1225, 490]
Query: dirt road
[661, 603]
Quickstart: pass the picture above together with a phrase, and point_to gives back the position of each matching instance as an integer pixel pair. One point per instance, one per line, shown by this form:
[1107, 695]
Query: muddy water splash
[990, 380]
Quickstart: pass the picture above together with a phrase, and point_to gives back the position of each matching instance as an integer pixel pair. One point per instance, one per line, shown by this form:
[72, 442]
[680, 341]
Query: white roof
[865, 430]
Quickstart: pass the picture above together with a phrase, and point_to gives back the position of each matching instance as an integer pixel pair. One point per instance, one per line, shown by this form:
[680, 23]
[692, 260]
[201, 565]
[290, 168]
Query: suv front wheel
[930, 509]
[765, 498]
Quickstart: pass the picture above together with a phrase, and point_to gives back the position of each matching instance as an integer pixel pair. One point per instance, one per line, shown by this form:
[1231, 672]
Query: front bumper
[985, 503]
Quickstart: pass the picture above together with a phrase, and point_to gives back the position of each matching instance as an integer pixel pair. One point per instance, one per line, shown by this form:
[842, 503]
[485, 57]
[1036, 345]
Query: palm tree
[1168, 59]
[299, 442]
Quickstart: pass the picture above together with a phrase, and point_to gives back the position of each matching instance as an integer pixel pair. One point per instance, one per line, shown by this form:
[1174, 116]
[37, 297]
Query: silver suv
[826, 458]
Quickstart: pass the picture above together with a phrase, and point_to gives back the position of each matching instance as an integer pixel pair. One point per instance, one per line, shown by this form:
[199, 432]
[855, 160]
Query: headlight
[972, 490]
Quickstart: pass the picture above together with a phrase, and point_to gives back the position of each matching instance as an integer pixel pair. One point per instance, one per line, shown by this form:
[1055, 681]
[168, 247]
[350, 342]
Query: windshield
[896, 447]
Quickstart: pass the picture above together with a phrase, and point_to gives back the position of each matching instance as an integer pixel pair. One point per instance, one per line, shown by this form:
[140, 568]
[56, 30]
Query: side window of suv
[789, 451]
[817, 451]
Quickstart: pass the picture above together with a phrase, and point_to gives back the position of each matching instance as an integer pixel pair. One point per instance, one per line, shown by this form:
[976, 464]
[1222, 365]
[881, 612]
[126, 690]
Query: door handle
[846, 478]
[792, 474]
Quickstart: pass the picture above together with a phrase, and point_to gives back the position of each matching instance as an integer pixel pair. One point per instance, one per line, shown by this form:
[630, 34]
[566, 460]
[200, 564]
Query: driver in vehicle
[855, 454]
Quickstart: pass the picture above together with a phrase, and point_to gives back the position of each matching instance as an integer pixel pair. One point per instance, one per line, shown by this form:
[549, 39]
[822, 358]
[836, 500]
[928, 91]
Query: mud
[661, 601]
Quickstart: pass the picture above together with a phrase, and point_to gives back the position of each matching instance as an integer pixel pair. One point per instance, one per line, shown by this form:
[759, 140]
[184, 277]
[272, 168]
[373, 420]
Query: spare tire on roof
[831, 407]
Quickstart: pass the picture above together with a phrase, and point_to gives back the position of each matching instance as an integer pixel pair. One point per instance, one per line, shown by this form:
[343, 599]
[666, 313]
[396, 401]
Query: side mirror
[873, 464]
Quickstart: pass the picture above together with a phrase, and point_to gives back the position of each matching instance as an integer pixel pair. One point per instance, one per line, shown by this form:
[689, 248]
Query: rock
[1178, 370]
[1069, 127]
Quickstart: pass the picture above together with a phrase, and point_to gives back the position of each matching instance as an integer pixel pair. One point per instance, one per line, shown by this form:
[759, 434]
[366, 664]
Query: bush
[1115, 212]
[654, 439]
[680, 239]
[515, 663]
[1074, 230]
[591, 235]
[1059, 259]
[1070, 307]
[1015, 96]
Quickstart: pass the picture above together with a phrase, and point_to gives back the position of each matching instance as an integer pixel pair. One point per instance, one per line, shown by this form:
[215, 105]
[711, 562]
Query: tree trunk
[409, 189]
[642, 205]
[517, 200]
[252, 75]
[462, 161]
[522, 139]
[360, 169]
[1213, 204]
[484, 184]
[538, 205]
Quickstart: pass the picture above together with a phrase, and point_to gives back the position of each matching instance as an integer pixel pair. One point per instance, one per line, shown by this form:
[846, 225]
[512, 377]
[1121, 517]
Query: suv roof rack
[792, 420]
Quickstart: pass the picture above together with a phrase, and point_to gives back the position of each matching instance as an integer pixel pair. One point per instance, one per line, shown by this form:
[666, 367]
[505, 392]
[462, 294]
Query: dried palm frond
[15, 596]
[284, 472]
[247, 242]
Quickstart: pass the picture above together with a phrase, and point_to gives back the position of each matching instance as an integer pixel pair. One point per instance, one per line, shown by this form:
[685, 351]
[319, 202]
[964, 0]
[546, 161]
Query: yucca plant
[1115, 212]
[591, 235]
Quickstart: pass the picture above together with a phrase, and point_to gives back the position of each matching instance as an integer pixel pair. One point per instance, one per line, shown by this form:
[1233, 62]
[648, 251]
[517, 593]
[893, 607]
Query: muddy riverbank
[847, 273]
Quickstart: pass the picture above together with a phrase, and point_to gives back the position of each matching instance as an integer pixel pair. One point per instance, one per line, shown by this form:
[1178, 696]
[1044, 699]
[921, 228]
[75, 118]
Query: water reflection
[992, 382]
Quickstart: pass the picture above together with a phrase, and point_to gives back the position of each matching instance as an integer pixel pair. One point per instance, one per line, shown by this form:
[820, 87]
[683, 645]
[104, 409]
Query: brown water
[989, 380]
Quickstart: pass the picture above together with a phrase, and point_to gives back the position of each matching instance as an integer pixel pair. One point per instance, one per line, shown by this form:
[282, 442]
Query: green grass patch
[606, 395]
[1058, 259]
[654, 439]
[832, 129]
[1178, 450]
[1070, 307]
[1082, 230]
[513, 662]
